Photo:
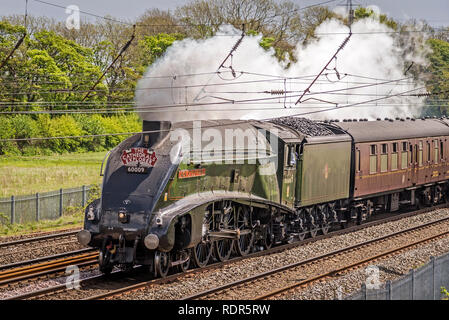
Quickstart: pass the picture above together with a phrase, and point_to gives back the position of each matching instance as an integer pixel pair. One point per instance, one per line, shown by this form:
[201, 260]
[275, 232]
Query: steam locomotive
[174, 195]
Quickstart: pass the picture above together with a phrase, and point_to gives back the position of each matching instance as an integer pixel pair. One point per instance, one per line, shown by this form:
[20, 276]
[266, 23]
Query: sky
[435, 12]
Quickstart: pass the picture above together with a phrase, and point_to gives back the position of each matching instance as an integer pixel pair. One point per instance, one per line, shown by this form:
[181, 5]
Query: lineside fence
[44, 206]
[425, 283]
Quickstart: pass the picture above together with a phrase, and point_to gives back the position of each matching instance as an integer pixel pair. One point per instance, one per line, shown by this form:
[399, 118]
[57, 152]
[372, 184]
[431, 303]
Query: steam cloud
[372, 56]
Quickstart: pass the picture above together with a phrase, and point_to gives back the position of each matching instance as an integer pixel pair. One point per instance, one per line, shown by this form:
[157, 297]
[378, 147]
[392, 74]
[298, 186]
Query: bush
[25, 126]
[65, 126]
[91, 125]
[7, 132]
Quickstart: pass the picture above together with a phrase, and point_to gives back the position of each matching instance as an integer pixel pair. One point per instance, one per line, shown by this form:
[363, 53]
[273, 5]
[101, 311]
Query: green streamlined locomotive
[180, 193]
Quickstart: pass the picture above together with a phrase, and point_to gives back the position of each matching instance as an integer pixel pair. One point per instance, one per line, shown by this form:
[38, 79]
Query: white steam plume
[366, 59]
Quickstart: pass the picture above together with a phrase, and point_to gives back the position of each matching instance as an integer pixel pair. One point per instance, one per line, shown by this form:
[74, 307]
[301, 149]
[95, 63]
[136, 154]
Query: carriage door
[289, 176]
[414, 163]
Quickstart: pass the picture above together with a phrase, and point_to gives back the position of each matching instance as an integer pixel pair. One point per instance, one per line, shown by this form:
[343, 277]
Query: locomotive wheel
[325, 225]
[268, 241]
[313, 232]
[161, 263]
[104, 259]
[325, 228]
[245, 243]
[223, 249]
[201, 253]
[182, 255]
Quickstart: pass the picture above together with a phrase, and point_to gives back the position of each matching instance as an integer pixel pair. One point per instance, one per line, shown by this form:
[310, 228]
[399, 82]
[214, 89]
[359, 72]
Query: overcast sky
[436, 12]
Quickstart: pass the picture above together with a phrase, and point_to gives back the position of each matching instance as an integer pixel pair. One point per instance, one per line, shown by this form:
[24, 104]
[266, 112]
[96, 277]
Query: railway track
[37, 239]
[260, 286]
[87, 257]
[43, 259]
[37, 249]
[141, 283]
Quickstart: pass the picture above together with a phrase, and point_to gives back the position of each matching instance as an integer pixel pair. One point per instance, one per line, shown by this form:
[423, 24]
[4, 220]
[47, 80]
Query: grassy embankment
[20, 175]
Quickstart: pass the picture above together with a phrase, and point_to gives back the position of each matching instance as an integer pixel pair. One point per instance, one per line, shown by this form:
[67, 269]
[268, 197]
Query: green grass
[72, 217]
[70, 221]
[22, 175]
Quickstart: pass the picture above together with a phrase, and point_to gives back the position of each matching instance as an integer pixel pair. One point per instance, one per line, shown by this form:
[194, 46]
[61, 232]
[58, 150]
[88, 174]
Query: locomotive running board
[228, 234]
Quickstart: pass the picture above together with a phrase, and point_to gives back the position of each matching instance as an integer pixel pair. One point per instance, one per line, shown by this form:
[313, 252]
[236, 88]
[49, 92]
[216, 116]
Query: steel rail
[313, 259]
[22, 273]
[348, 267]
[53, 289]
[39, 238]
[45, 258]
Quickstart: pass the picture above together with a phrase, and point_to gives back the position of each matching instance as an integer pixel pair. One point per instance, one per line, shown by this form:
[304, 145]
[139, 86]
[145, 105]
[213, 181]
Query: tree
[72, 59]
[273, 19]
[153, 47]
[438, 78]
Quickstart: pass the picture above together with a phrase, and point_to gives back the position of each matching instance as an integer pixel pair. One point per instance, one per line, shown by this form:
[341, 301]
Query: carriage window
[436, 151]
[373, 159]
[395, 147]
[292, 160]
[384, 158]
[441, 150]
[404, 156]
[404, 146]
[290, 156]
[394, 157]
[428, 151]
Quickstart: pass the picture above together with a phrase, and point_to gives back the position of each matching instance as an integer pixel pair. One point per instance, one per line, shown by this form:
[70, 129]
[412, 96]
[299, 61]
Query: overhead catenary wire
[169, 25]
[154, 107]
[183, 86]
[65, 90]
[257, 107]
[122, 50]
[15, 79]
[214, 24]
[212, 126]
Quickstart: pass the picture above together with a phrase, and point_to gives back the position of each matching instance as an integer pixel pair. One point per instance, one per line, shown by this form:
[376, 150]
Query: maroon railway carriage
[398, 162]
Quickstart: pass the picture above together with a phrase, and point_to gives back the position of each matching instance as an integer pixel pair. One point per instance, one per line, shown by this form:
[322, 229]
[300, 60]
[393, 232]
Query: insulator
[275, 92]
[237, 44]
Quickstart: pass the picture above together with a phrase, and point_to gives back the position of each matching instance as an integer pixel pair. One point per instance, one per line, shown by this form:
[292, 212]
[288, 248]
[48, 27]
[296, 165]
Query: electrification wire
[211, 126]
[186, 105]
[218, 23]
[172, 87]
